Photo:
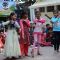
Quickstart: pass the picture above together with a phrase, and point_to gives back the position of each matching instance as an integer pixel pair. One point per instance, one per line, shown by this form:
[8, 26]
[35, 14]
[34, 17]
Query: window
[50, 8]
[42, 9]
[11, 0]
[24, 0]
[58, 7]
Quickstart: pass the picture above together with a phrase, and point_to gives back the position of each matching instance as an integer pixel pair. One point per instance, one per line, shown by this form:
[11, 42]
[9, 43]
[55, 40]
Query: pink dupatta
[21, 25]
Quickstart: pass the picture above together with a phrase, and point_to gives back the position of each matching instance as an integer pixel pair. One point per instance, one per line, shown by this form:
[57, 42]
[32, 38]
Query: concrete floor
[47, 54]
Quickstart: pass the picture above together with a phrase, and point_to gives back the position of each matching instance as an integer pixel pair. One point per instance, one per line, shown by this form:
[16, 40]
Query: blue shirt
[56, 23]
[46, 30]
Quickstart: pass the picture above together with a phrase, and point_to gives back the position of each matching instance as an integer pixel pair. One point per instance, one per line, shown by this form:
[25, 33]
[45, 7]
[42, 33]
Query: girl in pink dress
[38, 30]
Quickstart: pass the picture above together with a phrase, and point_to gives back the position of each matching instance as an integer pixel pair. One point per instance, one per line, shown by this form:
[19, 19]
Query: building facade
[46, 0]
[46, 10]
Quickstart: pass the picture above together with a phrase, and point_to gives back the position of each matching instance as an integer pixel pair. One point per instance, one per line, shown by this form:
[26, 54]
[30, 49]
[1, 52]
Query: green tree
[12, 8]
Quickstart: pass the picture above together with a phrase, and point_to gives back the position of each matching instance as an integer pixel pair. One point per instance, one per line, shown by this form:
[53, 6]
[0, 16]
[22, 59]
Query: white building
[46, 7]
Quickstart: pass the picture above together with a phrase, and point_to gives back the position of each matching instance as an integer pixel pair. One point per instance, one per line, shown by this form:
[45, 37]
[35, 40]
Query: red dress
[24, 43]
[1, 43]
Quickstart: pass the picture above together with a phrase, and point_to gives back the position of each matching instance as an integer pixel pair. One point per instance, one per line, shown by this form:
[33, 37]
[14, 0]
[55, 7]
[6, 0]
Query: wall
[46, 0]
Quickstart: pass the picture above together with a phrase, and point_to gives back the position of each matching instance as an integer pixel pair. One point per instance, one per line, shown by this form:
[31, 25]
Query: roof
[44, 4]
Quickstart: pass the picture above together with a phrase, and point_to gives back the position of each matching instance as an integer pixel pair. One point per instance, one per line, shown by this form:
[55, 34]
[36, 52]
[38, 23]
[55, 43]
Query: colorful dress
[1, 43]
[24, 43]
[38, 31]
[11, 48]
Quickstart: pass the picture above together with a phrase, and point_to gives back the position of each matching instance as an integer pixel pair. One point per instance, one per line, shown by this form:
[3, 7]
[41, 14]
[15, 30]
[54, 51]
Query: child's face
[1, 33]
[59, 14]
[14, 17]
[55, 14]
[38, 14]
[48, 26]
[25, 16]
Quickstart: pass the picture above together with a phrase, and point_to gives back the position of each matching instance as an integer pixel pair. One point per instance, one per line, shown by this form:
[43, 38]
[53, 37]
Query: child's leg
[26, 49]
[35, 38]
[38, 48]
[33, 48]
[22, 49]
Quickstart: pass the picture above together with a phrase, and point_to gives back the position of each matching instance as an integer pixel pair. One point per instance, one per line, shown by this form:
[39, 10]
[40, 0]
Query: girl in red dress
[24, 35]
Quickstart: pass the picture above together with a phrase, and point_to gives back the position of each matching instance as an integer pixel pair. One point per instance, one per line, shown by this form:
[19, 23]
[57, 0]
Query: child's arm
[5, 23]
[17, 25]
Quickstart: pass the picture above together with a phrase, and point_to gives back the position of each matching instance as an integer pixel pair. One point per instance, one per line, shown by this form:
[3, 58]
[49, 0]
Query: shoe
[20, 57]
[57, 50]
[13, 58]
[51, 45]
[32, 56]
[39, 54]
[26, 54]
[32, 53]
[7, 58]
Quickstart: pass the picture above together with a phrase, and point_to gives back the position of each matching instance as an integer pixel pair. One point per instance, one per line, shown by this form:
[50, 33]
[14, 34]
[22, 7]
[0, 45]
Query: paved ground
[47, 54]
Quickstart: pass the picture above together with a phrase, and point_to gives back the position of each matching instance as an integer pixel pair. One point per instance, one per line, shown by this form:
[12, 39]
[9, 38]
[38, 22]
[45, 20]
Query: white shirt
[38, 27]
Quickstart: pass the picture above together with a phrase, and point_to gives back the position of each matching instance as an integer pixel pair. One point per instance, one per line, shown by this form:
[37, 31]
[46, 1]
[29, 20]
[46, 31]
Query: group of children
[17, 39]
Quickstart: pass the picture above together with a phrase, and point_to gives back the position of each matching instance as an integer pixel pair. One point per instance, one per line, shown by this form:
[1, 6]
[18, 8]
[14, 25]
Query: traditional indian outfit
[11, 48]
[49, 37]
[24, 43]
[1, 43]
[38, 31]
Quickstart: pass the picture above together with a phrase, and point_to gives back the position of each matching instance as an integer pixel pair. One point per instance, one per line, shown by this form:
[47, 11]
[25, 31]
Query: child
[11, 48]
[1, 42]
[24, 36]
[38, 30]
[49, 34]
[56, 30]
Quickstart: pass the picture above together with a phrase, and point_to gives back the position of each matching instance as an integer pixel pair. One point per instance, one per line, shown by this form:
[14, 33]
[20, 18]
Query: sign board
[6, 7]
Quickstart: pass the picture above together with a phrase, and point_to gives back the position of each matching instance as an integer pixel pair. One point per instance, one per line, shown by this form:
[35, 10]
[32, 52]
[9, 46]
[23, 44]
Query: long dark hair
[13, 13]
[23, 14]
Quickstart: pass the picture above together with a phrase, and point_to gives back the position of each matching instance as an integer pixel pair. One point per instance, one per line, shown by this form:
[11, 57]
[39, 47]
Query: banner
[6, 7]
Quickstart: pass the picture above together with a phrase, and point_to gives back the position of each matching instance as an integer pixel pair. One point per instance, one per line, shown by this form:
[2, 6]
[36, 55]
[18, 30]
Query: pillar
[32, 14]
